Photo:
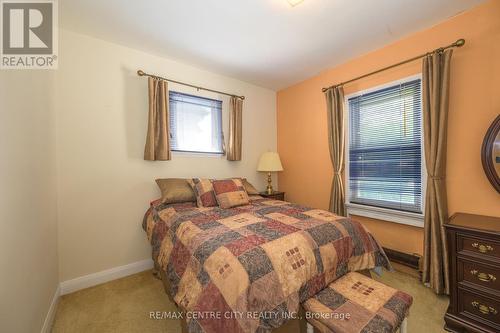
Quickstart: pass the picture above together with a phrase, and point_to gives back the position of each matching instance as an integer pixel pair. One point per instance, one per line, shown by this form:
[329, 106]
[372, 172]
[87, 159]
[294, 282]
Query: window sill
[197, 154]
[408, 218]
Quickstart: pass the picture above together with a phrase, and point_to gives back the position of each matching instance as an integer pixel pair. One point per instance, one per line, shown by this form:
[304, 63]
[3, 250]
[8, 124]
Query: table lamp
[270, 162]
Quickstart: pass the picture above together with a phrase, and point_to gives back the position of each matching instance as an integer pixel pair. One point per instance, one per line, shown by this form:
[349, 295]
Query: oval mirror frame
[490, 154]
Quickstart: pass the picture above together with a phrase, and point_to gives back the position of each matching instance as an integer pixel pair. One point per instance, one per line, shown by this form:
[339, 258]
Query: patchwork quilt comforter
[247, 269]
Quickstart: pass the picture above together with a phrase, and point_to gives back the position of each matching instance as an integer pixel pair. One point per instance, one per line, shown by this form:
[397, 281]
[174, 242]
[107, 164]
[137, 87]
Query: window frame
[192, 153]
[385, 214]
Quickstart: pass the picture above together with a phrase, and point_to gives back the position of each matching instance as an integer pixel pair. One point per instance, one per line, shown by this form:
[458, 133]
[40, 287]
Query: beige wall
[28, 226]
[104, 184]
[474, 104]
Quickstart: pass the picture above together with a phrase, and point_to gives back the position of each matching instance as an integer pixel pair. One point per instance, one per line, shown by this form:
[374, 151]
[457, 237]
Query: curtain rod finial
[460, 42]
[140, 73]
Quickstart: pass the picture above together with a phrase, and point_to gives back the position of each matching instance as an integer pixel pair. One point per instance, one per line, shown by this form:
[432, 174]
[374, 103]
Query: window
[385, 148]
[195, 124]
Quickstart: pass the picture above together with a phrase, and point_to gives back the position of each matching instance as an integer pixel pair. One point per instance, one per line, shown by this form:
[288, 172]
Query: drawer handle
[482, 248]
[483, 276]
[484, 309]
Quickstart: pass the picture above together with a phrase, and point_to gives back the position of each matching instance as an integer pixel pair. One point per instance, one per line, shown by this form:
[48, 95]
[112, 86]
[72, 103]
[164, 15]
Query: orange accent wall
[474, 104]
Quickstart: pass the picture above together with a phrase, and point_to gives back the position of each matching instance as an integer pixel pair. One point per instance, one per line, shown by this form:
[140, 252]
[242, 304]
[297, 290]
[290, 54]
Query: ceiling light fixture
[294, 3]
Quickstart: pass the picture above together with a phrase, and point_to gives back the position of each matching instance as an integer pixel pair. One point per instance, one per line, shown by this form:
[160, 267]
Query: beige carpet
[124, 305]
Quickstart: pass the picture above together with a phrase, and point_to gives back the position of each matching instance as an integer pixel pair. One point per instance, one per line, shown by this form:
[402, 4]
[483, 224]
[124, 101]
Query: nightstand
[276, 195]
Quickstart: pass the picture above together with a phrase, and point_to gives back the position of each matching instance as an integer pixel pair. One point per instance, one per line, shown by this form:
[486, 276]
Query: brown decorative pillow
[230, 193]
[251, 190]
[175, 190]
[204, 191]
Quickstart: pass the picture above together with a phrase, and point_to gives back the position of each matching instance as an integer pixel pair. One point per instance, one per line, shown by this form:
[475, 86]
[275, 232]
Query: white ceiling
[265, 42]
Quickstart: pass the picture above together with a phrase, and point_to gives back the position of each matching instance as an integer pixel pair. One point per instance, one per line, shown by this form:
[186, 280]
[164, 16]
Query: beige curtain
[158, 138]
[235, 129]
[336, 140]
[435, 91]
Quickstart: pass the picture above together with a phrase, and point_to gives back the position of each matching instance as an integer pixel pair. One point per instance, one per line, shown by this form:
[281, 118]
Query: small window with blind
[385, 169]
[195, 124]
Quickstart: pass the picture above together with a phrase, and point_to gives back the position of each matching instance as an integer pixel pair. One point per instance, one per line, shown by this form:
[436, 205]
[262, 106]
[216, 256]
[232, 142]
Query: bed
[248, 268]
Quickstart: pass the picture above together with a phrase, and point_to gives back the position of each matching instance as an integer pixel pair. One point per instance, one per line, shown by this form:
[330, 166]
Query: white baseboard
[91, 280]
[49, 319]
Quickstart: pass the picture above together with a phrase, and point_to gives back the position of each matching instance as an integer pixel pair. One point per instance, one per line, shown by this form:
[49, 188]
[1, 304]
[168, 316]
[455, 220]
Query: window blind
[385, 148]
[195, 124]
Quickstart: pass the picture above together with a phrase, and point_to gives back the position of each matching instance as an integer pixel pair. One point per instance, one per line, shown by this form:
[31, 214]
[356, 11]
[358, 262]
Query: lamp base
[269, 188]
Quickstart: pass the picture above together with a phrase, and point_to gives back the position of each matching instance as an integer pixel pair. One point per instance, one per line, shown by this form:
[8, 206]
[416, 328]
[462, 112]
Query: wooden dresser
[474, 246]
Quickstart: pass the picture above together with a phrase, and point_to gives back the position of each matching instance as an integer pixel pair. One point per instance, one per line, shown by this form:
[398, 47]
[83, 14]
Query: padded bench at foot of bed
[357, 304]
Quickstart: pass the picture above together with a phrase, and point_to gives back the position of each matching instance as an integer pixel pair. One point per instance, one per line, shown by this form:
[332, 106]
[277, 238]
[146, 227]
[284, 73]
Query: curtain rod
[142, 73]
[458, 43]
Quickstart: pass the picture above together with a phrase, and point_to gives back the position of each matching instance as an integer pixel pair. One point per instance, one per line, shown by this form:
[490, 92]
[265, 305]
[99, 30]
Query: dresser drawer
[480, 308]
[479, 274]
[483, 246]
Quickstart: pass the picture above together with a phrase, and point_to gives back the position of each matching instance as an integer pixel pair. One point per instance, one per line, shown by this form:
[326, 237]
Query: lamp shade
[270, 162]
